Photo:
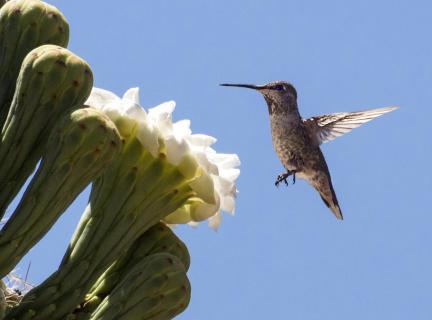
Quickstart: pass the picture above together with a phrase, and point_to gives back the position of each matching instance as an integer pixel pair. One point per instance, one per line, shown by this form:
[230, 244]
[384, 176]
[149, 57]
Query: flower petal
[225, 160]
[161, 117]
[176, 149]
[215, 221]
[132, 95]
[182, 128]
[203, 185]
[201, 211]
[181, 215]
[201, 140]
[99, 98]
[228, 204]
[149, 138]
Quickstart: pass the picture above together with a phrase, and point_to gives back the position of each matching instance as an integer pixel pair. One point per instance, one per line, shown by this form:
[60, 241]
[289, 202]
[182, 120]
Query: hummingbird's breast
[291, 141]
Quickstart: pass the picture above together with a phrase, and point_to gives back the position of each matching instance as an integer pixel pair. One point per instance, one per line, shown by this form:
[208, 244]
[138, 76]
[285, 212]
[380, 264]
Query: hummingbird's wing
[330, 126]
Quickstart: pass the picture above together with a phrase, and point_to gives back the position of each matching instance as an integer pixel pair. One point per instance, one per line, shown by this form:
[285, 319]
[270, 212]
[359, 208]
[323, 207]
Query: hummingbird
[297, 141]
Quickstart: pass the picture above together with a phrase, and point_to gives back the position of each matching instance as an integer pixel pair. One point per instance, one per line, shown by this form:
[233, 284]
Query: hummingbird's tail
[321, 181]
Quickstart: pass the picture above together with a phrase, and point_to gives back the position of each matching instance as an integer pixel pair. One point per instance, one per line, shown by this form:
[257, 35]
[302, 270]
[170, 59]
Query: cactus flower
[217, 172]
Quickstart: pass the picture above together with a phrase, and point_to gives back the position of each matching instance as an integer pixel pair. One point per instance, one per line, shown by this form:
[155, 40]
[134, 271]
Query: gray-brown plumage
[297, 141]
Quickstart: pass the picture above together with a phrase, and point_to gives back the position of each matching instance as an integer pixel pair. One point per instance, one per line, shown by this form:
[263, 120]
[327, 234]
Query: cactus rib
[157, 239]
[52, 81]
[25, 25]
[133, 194]
[156, 288]
[78, 151]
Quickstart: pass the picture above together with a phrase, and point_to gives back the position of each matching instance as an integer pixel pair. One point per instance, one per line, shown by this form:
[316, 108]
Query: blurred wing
[328, 127]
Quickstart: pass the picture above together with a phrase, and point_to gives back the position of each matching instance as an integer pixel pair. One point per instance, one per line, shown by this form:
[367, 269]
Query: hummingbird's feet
[284, 177]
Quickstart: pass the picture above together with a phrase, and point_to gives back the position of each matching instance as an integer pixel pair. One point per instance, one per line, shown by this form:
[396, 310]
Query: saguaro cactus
[158, 239]
[156, 288]
[52, 81]
[123, 204]
[79, 149]
[3, 304]
[25, 25]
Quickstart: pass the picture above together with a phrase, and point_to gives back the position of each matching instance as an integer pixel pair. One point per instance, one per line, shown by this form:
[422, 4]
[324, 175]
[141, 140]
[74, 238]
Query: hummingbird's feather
[330, 126]
[321, 181]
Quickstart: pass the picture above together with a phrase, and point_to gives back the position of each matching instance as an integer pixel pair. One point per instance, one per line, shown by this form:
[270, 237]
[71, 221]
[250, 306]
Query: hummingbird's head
[281, 96]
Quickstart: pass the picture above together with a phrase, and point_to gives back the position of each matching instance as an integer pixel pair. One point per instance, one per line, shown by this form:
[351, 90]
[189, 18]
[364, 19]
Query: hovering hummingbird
[297, 141]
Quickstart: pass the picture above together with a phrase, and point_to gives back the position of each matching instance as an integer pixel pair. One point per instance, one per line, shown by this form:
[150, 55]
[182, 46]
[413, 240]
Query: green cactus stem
[159, 238]
[79, 149]
[133, 194]
[157, 288]
[24, 26]
[3, 305]
[52, 81]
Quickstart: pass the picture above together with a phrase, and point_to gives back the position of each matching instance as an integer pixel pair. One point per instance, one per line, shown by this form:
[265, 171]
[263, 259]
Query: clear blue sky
[284, 255]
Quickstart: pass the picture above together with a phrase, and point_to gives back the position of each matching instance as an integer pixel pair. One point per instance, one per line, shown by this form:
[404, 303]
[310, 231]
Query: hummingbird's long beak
[249, 86]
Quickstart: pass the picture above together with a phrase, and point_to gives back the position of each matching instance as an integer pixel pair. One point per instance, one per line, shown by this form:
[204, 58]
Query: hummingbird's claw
[284, 177]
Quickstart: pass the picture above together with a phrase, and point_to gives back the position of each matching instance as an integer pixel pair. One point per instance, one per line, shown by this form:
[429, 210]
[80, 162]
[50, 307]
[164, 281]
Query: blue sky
[284, 255]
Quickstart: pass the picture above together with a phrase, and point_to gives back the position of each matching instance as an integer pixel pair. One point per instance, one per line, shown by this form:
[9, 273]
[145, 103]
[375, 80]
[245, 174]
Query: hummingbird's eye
[279, 87]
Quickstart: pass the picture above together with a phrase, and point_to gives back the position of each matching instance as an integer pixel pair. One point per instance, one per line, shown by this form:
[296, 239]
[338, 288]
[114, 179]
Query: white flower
[214, 179]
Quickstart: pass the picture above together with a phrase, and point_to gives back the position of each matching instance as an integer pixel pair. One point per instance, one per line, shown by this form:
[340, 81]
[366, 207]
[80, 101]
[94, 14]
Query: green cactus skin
[160, 238]
[3, 305]
[25, 25]
[79, 149]
[157, 288]
[52, 81]
[134, 193]
[157, 239]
